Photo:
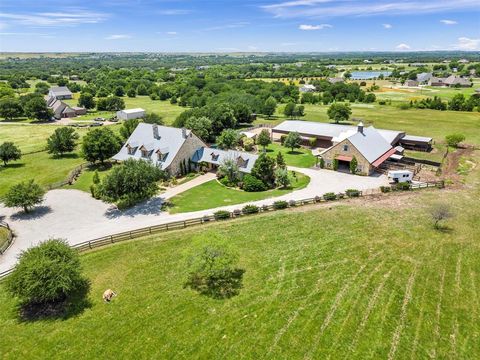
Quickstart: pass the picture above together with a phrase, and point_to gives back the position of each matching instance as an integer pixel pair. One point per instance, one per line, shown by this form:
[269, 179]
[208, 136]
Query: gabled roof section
[217, 157]
[370, 143]
[60, 91]
[170, 142]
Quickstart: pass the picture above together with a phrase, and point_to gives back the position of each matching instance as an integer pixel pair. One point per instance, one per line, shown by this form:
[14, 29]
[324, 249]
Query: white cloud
[314, 27]
[68, 17]
[403, 47]
[465, 43]
[387, 26]
[239, 24]
[172, 33]
[173, 12]
[448, 22]
[118, 37]
[333, 8]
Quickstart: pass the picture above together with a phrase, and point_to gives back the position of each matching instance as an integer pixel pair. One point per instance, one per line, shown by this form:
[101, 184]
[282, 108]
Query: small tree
[228, 139]
[292, 140]
[63, 140]
[335, 164]
[263, 139]
[212, 268]
[339, 112]
[229, 170]
[454, 140]
[46, 273]
[439, 213]
[131, 93]
[128, 126]
[353, 165]
[280, 161]
[100, 144]
[270, 106]
[289, 110]
[153, 118]
[9, 152]
[248, 144]
[281, 178]
[25, 195]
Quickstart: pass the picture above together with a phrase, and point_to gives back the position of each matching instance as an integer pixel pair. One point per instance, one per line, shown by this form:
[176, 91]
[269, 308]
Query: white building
[130, 114]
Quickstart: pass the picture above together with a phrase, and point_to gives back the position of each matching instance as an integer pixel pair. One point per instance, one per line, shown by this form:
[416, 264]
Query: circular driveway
[77, 217]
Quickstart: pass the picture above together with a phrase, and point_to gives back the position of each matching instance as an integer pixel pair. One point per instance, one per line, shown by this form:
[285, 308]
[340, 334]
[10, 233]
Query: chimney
[156, 135]
[184, 133]
[360, 127]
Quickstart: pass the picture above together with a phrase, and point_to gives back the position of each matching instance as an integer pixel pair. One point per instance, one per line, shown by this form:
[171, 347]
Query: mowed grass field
[36, 163]
[433, 123]
[212, 194]
[358, 280]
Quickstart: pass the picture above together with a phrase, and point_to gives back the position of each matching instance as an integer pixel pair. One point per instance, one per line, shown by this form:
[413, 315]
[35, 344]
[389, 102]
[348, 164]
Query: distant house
[451, 81]
[130, 114]
[411, 83]
[60, 93]
[424, 77]
[308, 88]
[335, 80]
[166, 147]
[418, 64]
[215, 157]
[61, 110]
[463, 61]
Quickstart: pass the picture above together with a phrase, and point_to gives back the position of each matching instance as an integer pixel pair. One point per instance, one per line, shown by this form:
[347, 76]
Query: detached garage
[130, 114]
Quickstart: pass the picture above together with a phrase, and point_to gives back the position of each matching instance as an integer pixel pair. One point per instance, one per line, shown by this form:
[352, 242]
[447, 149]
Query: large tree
[264, 169]
[46, 273]
[63, 140]
[201, 126]
[10, 108]
[269, 106]
[36, 108]
[9, 152]
[100, 144]
[25, 195]
[228, 139]
[289, 110]
[86, 100]
[293, 140]
[339, 112]
[131, 182]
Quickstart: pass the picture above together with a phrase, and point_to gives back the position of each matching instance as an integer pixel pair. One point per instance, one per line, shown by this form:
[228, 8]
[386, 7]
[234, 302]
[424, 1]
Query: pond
[367, 75]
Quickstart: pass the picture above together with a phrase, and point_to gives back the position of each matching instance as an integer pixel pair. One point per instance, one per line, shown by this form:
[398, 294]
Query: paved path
[74, 215]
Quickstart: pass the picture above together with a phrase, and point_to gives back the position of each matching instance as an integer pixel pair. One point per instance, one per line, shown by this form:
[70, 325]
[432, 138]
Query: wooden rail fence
[6, 244]
[129, 235]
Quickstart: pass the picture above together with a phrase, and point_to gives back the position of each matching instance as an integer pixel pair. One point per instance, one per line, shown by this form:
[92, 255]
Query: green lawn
[213, 194]
[299, 157]
[3, 236]
[348, 281]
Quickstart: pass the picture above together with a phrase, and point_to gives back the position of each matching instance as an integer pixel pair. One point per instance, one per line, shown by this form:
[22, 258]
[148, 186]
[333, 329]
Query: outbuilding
[130, 114]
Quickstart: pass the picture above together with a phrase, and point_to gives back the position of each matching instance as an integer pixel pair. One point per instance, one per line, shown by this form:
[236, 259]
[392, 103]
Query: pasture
[358, 280]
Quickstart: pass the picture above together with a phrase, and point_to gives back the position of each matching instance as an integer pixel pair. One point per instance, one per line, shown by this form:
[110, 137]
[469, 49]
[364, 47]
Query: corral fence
[259, 126]
[9, 232]
[72, 176]
[133, 234]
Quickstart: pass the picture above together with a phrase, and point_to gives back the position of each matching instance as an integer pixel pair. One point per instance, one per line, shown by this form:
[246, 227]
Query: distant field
[168, 111]
[365, 280]
[433, 123]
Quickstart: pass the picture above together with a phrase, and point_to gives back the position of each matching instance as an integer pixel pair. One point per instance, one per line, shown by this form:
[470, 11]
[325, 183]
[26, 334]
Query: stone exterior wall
[363, 167]
[192, 144]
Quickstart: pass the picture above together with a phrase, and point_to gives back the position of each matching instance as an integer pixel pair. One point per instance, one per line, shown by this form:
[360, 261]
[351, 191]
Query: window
[144, 153]
[162, 157]
[345, 147]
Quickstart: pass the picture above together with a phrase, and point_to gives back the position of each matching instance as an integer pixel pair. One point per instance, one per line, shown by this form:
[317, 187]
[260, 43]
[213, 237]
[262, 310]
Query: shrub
[329, 196]
[440, 212]
[292, 203]
[403, 186]
[280, 204]
[248, 144]
[225, 182]
[352, 193]
[382, 102]
[282, 139]
[282, 178]
[335, 164]
[404, 106]
[252, 184]
[49, 272]
[353, 165]
[317, 199]
[385, 189]
[454, 140]
[221, 215]
[312, 142]
[250, 209]
[322, 163]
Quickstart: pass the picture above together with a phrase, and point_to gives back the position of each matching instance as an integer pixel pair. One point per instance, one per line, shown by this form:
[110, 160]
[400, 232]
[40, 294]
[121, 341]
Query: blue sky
[239, 25]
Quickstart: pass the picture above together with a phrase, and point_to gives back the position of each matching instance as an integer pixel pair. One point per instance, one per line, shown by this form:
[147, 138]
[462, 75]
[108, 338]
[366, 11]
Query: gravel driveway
[74, 215]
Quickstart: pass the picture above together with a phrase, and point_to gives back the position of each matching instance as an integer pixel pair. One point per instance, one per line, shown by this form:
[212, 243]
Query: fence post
[184, 224]
[90, 245]
[111, 238]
